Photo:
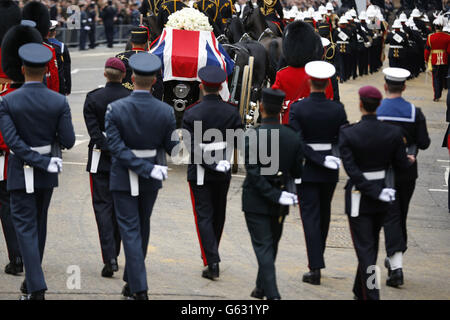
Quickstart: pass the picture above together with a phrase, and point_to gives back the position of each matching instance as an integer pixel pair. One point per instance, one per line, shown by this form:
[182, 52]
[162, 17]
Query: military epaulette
[192, 105]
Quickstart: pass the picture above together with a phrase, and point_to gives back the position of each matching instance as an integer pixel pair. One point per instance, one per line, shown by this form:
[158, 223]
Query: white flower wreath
[189, 19]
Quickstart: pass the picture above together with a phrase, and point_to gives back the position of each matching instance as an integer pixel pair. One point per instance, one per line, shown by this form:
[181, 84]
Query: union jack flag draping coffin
[184, 52]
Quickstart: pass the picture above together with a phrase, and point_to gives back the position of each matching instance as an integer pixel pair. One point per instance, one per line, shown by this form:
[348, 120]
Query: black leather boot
[312, 277]
[257, 293]
[211, 272]
[15, 266]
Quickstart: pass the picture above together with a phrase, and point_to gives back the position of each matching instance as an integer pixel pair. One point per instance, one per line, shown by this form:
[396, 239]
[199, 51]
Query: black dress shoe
[38, 295]
[140, 296]
[126, 291]
[23, 287]
[109, 268]
[312, 277]
[395, 278]
[211, 272]
[257, 293]
[14, 267]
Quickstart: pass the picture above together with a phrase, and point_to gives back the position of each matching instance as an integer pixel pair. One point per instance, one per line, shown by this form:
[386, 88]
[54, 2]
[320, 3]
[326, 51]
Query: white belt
[396, 47]
[342, 42]
[28, 171]
[375, 175]
[356, 195]
[2, 166]
[208, 147]
[95, 159]
[134, 178]
[320, 146]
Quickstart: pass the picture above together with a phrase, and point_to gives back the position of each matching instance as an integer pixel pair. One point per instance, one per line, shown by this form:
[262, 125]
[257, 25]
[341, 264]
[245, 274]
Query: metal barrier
[71, 37]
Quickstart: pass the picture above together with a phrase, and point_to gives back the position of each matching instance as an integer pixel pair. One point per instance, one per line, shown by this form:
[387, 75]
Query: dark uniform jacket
[166, 8]
[318, 120]
[261, 192]
[369, 146]
[414, 129]
[402, 44]
[64, 66]
[150, 7]
[34, 116]
[213, 113]
[94, 116]
[137, 122]
[347, 45]
[108, 14]
[211, 8]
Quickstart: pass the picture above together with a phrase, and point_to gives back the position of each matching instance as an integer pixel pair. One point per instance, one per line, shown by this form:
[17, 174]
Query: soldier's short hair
[393, 87]
[143, 81]
[35, 71]
[114, 75]
[370, 104]
[319, 84]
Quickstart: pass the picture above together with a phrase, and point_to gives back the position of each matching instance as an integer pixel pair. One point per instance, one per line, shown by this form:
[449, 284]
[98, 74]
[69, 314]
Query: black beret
[273, 97]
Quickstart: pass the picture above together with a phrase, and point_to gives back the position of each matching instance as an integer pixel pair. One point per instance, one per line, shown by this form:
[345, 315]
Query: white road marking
[438, 190]
[74, 163]
[80, 92]
[78, 142]
[238, 175]
[443, 160]
[74, 71]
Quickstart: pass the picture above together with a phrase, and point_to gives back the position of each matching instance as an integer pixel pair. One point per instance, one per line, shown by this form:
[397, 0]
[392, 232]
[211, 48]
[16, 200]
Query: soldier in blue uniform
[35, 123]
[209, 182]
[397, 111]
[137, 127]
[63, 59]
[368, 148]
[266, 196]
[318, 120]
[99, 161]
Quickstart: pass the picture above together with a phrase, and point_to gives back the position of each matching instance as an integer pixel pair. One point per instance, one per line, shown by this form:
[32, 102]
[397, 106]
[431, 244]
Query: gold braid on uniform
[269, 7]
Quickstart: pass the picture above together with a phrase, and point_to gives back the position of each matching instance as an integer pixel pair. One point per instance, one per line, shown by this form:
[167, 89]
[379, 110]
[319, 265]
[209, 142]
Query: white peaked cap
[363, 15]
[403, 17]
[353, 13]
[318, 16]
[329, 6]
[396, 74]
[396, 24]
[311, 10]
[416, 13]
[348, 16]
[342, 20]
[325, 42]
[300, 16]
[439, 21]
[322, 10]
[320, 69]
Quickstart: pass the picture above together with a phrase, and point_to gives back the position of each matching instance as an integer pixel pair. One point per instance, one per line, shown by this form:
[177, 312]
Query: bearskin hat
[38, 13]
[10, 15]
[301, 44]
[12, 41]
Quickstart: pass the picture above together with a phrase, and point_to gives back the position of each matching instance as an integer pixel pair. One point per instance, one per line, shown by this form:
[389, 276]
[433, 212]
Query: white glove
[332, 162]
[223, 166]
[159, 172]
[367, 45]
[55, 165]
[288, 199]
[387, 195]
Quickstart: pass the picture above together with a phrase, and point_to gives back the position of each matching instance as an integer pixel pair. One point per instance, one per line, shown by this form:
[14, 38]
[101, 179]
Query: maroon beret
[370, 92]
[115, 63]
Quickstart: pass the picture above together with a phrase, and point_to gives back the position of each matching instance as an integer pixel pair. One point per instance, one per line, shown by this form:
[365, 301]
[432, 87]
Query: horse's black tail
[272, 55]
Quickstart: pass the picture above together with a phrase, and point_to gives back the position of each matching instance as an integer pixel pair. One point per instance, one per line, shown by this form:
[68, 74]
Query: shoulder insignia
[128, 85]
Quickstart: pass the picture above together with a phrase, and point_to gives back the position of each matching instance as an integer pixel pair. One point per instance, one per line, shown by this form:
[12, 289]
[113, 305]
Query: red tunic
[438, 46]
[52, 77]
[3, 146]
[294, 83]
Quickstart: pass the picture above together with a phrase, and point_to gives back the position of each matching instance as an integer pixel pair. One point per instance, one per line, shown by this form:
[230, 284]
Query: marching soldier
[398, 46]
[30, 120]
[63, 60]
[266, 196]
[343, 36]
[139, 41]
[38, 12]
[397, 111]
[376, 49]
[368, 148]
[300, 46]
[364, 43]
[138, 128]
[209, 182]
[9, 17]
[99, 162]
[166, 8]
[318, 121]
[436, 55]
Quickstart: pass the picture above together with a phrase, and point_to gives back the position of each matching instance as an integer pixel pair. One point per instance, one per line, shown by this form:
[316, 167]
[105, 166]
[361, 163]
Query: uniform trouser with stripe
[103, 204]
[439, 78]
[12, 245]
[365, 230]
[133, 216]
[209, 203]
[265, 233]
[29, 214]
[315, 209]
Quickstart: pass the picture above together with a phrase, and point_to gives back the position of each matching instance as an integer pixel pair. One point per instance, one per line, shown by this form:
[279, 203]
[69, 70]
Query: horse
[255, 23]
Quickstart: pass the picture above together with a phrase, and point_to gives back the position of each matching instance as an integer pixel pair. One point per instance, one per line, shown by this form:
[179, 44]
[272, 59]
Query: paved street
[173, 262]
